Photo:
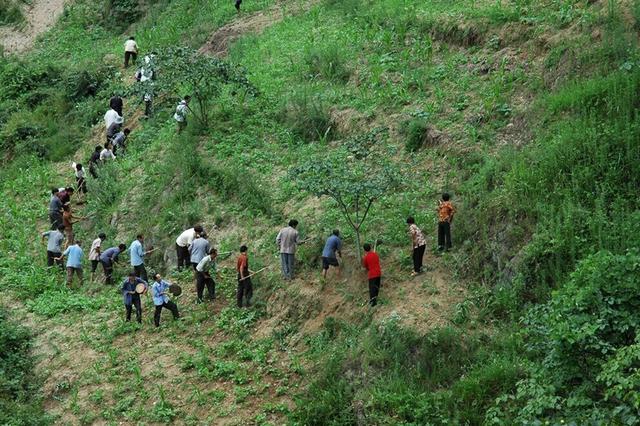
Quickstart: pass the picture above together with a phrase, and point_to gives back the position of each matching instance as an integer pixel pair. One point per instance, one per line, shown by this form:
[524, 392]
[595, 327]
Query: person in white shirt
[112, 117]
[80, 175]
[94, 253]
[183, 242]
[181, 113]
[130, 51]
[107, 153]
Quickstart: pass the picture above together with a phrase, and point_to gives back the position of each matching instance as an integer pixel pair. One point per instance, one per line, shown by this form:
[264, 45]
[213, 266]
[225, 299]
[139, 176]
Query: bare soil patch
[220, 41]
[40, 16]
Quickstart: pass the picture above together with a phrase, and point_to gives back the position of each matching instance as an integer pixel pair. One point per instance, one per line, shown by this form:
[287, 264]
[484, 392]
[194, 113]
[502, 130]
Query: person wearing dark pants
[108, 258]
[371, 262]
[245, 288]
[444, 236]
[51, 259]
[418, 255]
[55, 209]
[131, 298]
[183, 242]
[183, 256]
[159, 291]
[94, 161]
[136, 255]
[418, 244]
[446, 211]
[237, 5]
[54, 246]
[130, 51]
[204, 269]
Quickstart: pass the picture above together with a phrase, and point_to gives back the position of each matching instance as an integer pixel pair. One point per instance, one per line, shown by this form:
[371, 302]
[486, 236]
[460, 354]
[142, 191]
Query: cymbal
[175, 289]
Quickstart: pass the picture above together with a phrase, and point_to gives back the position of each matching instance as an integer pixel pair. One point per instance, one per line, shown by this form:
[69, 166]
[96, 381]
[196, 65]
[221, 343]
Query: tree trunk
[358, 244]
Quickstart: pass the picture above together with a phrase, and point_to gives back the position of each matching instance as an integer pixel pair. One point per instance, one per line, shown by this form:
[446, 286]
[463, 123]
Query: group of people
[193, 248]
[288, 239]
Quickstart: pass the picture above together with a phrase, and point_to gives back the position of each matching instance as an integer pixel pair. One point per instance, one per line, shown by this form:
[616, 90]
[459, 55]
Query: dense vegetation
[526, 111]
[19, 393]
[11, 11]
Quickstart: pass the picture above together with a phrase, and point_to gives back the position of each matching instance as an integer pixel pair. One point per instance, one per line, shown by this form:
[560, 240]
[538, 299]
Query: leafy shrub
[584, 340]
[119, 14]
[308, 117]
[19, 401]
[414, 132]
[387, 374]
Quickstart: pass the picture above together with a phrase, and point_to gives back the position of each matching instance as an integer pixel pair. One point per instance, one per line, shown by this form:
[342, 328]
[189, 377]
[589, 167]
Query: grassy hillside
[11, 12]
[525, 111]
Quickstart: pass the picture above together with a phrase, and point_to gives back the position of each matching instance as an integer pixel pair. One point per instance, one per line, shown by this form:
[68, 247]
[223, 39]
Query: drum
[140, 288]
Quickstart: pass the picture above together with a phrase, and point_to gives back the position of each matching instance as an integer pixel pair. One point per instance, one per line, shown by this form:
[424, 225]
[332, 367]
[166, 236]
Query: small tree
[183, 70]
[351, 176]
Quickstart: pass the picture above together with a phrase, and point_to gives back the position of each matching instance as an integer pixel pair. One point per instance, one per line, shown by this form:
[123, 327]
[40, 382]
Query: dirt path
[220, 41]
[40, 16]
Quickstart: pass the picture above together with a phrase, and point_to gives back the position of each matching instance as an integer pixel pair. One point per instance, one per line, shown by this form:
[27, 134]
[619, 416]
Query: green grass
[11, 11]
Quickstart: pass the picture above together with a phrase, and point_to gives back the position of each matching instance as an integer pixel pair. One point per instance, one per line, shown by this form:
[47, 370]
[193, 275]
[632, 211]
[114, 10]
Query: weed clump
[308, 117]
[328, 63]
[418, 133]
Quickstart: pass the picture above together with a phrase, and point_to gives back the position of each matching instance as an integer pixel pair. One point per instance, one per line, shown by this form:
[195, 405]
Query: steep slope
[525, 112]
[40, 16]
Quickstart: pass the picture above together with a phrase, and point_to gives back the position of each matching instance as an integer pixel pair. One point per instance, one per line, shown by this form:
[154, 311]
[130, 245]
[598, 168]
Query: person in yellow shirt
[446, 211]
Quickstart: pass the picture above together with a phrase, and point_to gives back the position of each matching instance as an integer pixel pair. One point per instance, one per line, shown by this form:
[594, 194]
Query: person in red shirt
[371, 262]
[245, 288]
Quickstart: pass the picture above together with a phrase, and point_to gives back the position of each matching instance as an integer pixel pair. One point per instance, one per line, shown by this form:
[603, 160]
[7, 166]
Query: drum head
[140, 288]
[175, 289]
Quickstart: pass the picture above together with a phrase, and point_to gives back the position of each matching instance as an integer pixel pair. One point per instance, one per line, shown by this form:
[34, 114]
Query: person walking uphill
[183, 242]
[130, 51]
[418, 245]
[74, 256]
[54, 245]
[287, 241]
[204, 269]
[329, 258]
[55, 209]
[245, 288]
[371, 262]
[159, 291]
[446, 211]
[132, 298]
[181, 113]
[136, 255]
[94, 161]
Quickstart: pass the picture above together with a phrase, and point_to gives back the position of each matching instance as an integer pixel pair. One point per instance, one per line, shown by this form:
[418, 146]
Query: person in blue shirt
[131, 298]
[54, 246]
[74, 256]
[331, 247]
[108, 258]
[159, 291]
[136, 254]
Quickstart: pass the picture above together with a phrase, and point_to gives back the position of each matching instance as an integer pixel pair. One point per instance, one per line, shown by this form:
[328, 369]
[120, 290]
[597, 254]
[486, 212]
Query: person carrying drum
[132, 288]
